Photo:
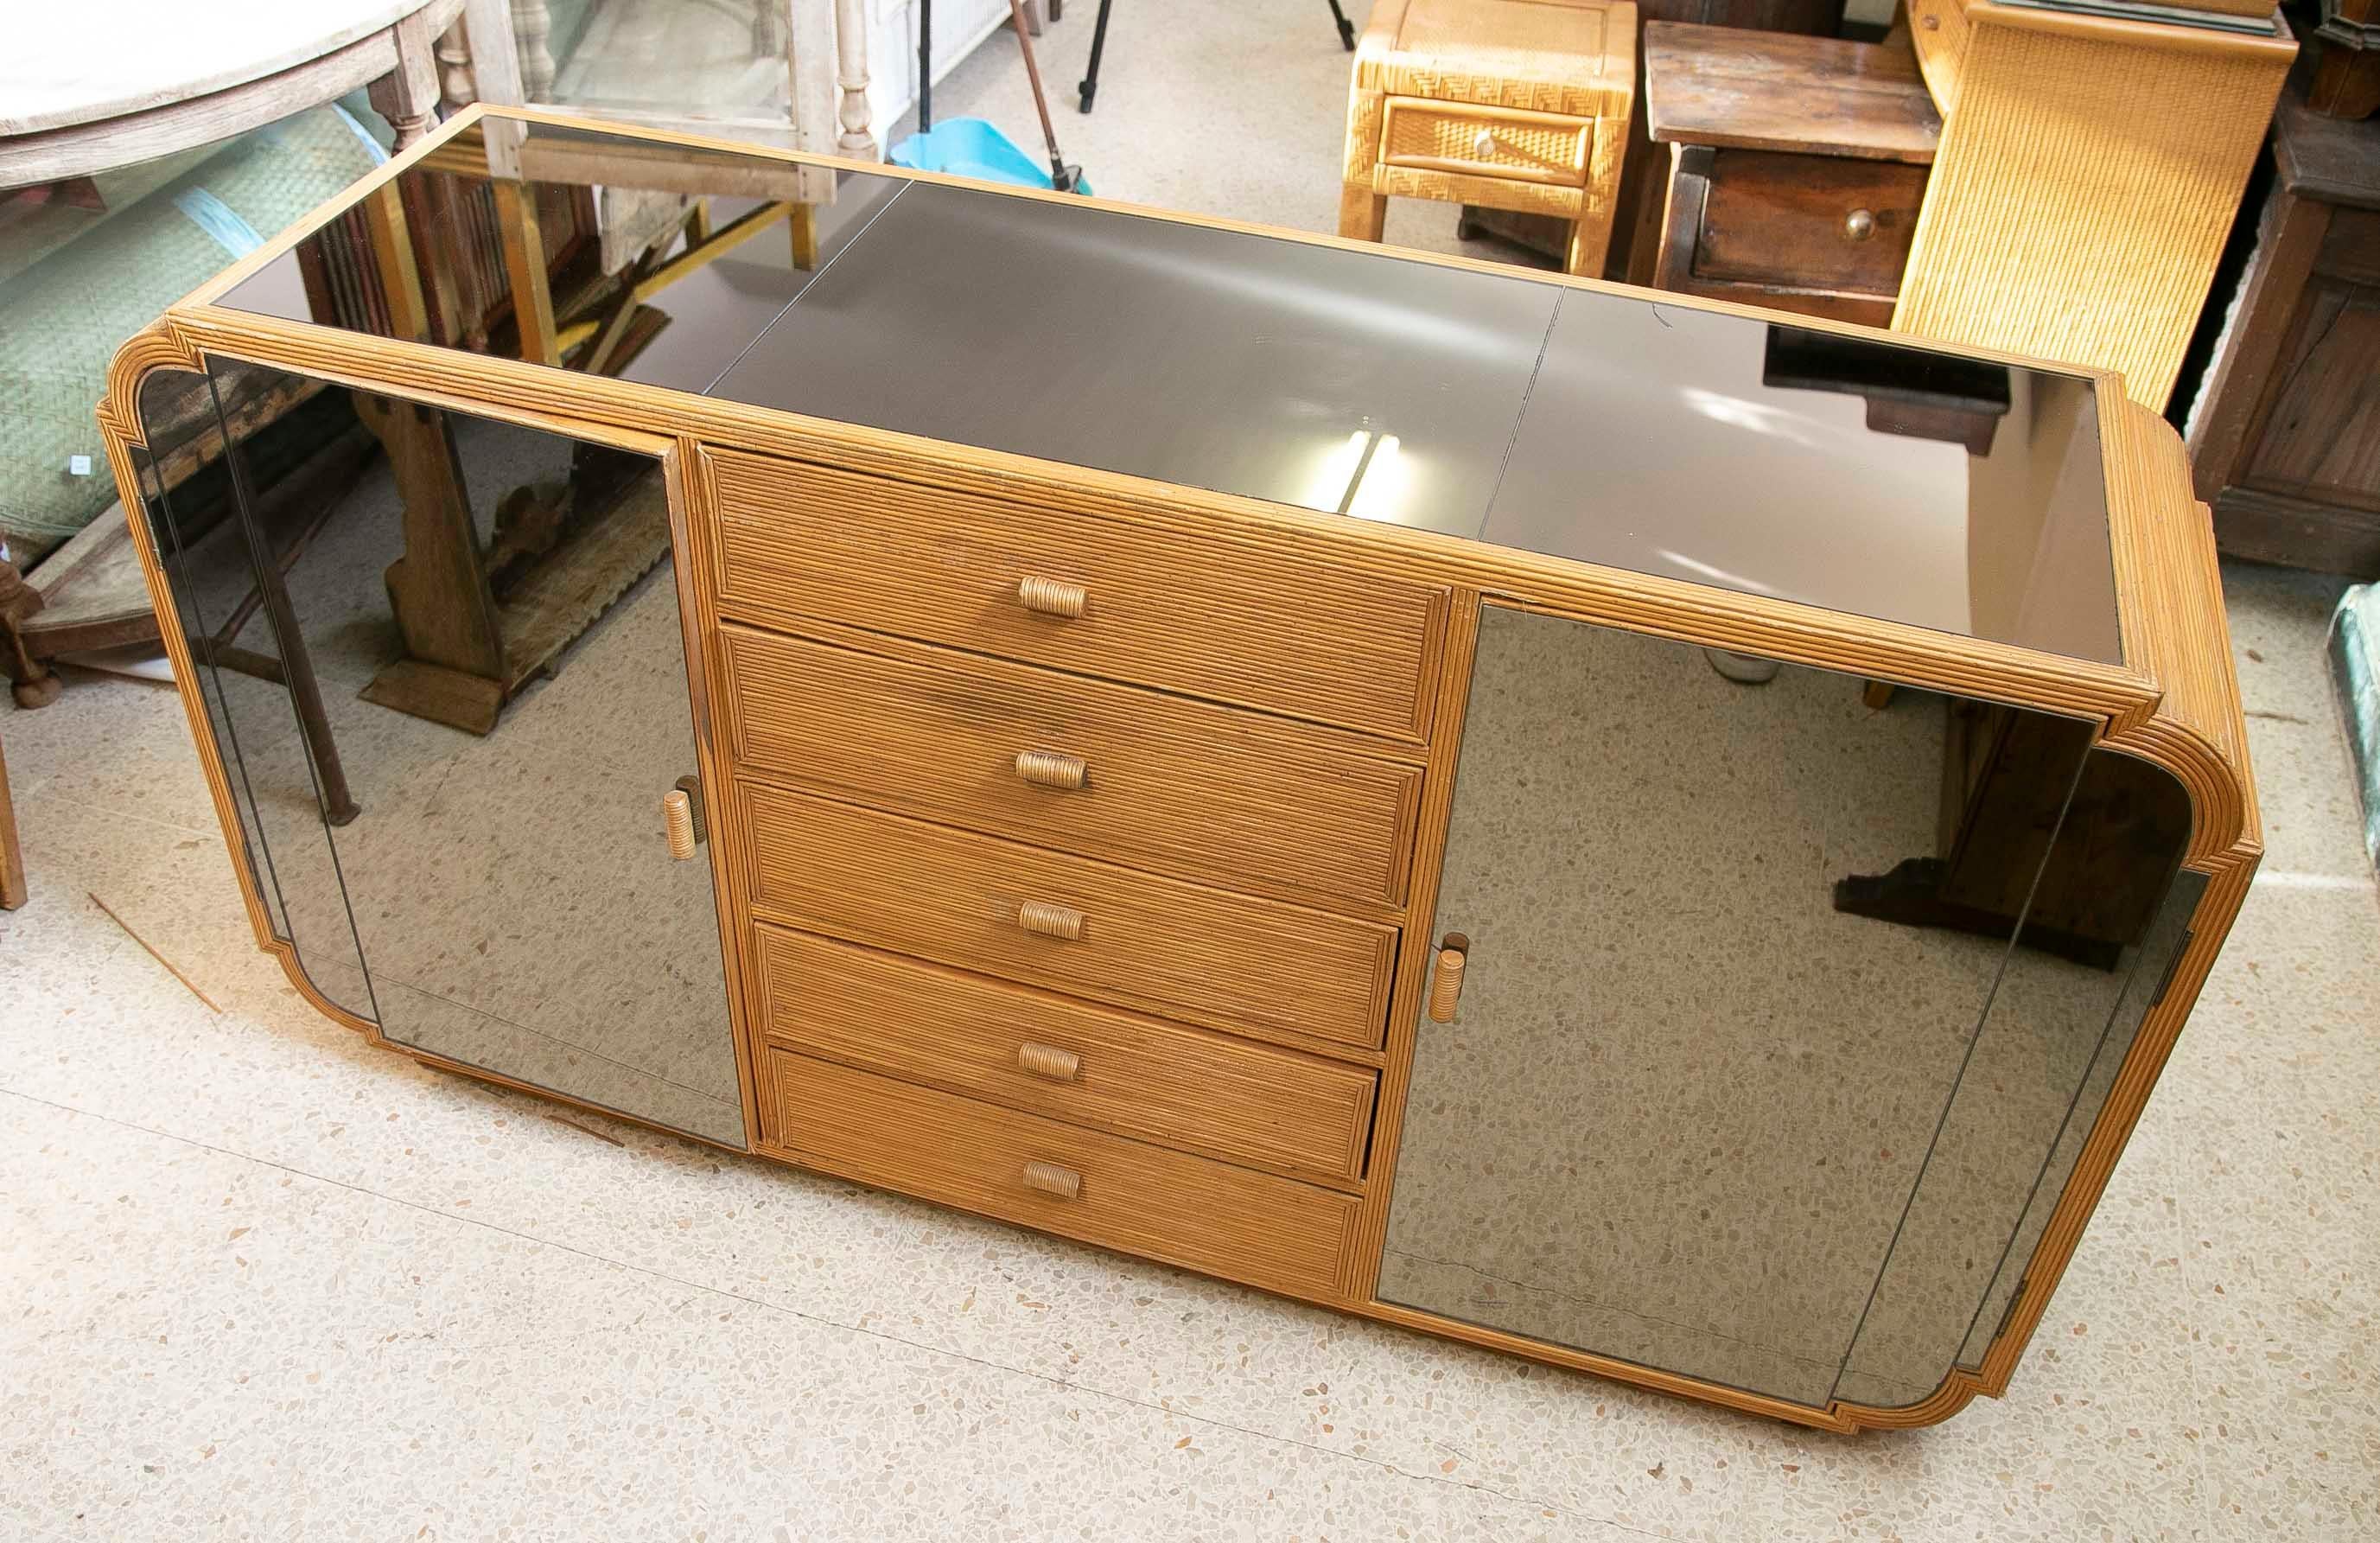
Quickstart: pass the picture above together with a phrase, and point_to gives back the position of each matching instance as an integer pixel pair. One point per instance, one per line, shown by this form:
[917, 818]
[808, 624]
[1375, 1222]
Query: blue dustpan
[970, 147]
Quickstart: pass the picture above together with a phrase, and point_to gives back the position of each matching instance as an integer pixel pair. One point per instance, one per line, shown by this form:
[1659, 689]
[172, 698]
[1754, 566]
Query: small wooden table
[1519, 104]
[1796, 166]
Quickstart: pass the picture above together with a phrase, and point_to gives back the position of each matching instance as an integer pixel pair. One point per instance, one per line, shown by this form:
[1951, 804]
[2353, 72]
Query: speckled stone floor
[259, 1282]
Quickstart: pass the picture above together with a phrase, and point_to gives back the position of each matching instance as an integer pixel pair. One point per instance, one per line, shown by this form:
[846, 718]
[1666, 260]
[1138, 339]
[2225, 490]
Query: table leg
[1363, 214]
[1090, 86]
[12, 857]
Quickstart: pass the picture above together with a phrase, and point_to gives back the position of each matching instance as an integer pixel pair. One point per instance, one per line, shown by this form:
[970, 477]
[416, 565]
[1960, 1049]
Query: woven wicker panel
[1449, 140]
[1575, 57]
[2083, 191]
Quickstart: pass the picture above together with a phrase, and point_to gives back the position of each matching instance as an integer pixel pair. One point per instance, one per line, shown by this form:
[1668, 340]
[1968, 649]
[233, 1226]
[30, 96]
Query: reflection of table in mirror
[1615, 829]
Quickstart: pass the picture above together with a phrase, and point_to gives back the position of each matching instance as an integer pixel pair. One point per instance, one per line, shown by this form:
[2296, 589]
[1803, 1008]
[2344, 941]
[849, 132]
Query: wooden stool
[1518, 105]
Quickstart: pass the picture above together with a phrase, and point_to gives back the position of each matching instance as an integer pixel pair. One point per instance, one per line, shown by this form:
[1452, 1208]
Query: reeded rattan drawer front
[1134, 940]
[1069, 1060]
[1222, 795]
[1229, 622]
[1256, 1227]
[1507, 142]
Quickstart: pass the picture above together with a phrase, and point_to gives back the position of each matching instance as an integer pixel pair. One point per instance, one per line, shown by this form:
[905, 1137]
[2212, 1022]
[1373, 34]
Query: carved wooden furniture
[1519, 104]
[1356, 775]
[2285, 437]
[2060, 130]
[2345, 82]
[1796, 167]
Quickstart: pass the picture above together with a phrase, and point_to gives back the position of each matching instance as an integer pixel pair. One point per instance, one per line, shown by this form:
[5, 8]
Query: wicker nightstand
[1509, 104]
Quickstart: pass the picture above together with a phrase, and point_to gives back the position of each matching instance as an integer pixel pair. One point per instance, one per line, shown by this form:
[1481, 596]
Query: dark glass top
[1881, 479]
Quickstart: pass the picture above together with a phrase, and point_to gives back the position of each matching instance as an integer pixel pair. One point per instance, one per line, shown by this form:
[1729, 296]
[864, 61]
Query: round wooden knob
[1860, 225]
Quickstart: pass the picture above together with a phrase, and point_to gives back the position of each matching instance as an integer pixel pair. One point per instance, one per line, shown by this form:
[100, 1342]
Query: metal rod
[925, 65]
[1090, 86]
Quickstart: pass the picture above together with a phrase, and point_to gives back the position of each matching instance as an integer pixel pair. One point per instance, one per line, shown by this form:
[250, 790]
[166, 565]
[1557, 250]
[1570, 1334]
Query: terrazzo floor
[256, 1281]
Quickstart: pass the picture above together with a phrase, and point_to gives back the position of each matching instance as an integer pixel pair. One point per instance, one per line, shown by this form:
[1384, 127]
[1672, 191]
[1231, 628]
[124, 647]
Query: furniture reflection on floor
[1516, 105]
[1285, 816]
[1796, 167]
[2285, 437]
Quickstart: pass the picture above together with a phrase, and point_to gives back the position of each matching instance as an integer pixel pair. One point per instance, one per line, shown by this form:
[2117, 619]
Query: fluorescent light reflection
[1366, 474]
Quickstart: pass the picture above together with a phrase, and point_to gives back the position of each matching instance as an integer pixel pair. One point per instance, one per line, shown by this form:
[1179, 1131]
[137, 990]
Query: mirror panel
[204, 536]
[2104, 927]
[474, 699]
[1731, 933]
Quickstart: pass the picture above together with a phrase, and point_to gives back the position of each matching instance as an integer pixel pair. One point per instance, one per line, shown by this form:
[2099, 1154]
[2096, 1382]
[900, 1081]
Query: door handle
[1446, 985]
[682, 818]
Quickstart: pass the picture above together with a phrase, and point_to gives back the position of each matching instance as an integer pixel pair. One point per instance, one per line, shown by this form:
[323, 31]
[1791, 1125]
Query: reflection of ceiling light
[1364, 476]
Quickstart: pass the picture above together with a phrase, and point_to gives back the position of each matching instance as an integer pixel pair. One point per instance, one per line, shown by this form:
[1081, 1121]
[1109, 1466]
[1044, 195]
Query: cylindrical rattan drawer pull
[1051, 1179]
[677, 817]
[1040, 917]
[1048, 769]
[1446, 987]
[1048, 1060]
[1052, 597]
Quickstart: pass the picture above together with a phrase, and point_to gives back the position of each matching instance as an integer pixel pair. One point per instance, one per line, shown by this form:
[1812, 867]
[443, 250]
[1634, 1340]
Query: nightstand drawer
[1158, 945]
[1808, 222]
[1105, 1189]
[1486, 141]
[1229, 622]
[1217, 794]
[1068, 1059]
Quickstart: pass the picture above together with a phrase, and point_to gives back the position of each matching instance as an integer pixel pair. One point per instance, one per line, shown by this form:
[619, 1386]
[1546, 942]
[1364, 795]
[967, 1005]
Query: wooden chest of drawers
[1285, 795]
[1053, 843]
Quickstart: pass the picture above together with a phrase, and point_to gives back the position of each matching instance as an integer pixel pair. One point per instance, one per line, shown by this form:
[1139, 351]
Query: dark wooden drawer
[1794, 221]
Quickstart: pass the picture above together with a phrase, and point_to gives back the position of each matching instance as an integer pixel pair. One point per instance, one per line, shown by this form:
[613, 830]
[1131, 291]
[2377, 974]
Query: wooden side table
[1519, 104]
[2282, 441]
[1797, 166]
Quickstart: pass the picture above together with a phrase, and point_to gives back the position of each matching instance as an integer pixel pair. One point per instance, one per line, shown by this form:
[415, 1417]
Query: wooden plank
[1723, 86]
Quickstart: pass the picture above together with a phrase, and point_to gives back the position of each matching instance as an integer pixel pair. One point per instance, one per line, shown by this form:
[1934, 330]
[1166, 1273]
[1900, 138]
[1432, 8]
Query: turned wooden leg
[1362, 213]
[407, 95]
[34, 683]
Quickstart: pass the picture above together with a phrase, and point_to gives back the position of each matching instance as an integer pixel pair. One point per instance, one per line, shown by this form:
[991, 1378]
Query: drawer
[1068, 1059]
[1233, 797]
[1134, 940]
[1259, 1227]
[1791, 221]
[1210, 618]
[1505, 142]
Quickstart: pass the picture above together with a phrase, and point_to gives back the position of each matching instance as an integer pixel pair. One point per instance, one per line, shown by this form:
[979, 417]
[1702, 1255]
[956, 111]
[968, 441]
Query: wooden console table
[1356, 773]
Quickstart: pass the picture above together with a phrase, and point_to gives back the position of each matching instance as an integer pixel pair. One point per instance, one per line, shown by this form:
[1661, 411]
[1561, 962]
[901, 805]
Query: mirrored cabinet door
[444, 675]
[1779, 1014]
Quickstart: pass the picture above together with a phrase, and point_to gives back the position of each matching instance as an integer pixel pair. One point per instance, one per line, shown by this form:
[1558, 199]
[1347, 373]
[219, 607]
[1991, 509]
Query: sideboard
[1647, 834]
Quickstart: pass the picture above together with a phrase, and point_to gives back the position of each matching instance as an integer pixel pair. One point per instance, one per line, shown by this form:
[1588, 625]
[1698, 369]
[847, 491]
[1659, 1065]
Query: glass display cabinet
[1625, 831]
